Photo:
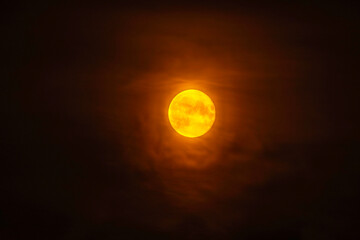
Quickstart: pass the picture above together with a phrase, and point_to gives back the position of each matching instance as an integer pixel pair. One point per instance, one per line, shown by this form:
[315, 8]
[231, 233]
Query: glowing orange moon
[191, 113]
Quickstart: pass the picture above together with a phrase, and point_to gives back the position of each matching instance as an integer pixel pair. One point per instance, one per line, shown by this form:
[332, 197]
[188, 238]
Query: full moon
[191, 113]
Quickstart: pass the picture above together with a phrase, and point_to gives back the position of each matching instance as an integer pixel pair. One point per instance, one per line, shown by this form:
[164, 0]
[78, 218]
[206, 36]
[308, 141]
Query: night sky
[88, 151]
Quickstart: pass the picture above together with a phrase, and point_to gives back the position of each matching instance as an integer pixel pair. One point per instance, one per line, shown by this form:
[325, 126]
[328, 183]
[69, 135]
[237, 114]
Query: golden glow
[191, 113]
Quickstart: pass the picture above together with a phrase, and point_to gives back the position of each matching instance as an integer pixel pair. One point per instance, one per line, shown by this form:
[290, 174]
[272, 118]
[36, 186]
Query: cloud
[94, 103]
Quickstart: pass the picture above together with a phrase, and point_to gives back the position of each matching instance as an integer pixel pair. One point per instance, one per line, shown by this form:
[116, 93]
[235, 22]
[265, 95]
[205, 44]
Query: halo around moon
[191, 113]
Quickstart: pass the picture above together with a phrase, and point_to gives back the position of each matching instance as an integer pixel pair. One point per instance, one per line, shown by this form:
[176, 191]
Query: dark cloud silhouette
[90, 153]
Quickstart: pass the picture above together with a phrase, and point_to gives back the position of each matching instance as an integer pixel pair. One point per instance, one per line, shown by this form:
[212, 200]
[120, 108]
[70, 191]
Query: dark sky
[89, 152]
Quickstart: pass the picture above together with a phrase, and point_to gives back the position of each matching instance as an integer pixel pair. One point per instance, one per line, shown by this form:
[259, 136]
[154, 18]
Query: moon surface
[191, 113]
